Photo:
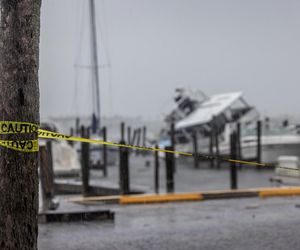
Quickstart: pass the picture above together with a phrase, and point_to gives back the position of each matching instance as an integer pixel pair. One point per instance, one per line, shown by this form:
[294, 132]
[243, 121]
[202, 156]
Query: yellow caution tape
[52, 135]
[11, 127]
[23, 146]
[8, 127]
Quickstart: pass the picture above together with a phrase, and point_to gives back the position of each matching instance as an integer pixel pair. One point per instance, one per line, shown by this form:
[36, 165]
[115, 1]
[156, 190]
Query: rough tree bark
[19, 101]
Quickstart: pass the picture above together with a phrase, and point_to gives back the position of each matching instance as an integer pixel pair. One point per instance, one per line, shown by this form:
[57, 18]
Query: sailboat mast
[95, 60]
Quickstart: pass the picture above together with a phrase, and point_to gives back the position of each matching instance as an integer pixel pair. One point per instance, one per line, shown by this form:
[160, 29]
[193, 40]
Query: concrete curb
[197, 196]
[159, 198]
[279, 192]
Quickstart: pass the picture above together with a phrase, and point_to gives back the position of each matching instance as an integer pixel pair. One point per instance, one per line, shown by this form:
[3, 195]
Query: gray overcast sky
[155, 46]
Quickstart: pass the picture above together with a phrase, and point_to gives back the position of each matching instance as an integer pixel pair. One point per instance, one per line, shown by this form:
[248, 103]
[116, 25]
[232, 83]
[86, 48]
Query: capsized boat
[219, 114]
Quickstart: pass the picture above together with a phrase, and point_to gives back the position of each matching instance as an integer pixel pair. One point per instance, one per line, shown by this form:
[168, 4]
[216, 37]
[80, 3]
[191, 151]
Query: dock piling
[133, 139]
[129, 135]
[144, 135]
[77, 126]
[211, 145]
[238, 143]
[85, 162]
[173, 143]
[124, 181]
[144, 139]
[169, 158]
[47, 176]
[233, 169]
[104, 152]
[122, 131]
[71, 134]
[138, 139]
[195, 146]
[258, 152]
[216, 137]
[156, 171]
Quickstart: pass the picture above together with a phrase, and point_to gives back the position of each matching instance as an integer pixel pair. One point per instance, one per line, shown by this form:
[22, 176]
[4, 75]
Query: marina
[149, 125]
[225, 150]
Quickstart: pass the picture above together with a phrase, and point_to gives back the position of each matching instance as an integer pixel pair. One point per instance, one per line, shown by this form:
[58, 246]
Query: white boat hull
[271, 152]
[271, 147]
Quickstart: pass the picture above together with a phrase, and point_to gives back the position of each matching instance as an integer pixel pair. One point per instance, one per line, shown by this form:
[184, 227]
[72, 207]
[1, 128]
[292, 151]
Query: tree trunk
[19, 101]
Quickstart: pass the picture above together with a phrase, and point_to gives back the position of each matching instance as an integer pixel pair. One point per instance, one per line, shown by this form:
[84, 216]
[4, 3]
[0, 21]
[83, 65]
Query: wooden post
[195, 144]
[156, 171]
[238, 142]
[137, 152]
[258, 142]
[144, 139]
[85, 162]
[46, 175]
[49, 150]
[77, 126]
[133, 137]
[71, 134]
[216, 125]
[88, 131]
[144, 135]
[173, 142]
[129, 135]
[211, 145]
[138, 136]
[169, 158]
[233, 169]
[217, 149]
[122, 131]
[104, 152]
[172, 135]
[124, 170]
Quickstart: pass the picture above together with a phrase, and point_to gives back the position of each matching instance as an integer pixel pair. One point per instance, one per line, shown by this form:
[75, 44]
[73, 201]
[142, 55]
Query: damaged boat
[214, 118]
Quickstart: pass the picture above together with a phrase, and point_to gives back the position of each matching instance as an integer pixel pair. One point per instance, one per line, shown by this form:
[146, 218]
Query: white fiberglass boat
[275, 142]
[64, 157]
[219, 114]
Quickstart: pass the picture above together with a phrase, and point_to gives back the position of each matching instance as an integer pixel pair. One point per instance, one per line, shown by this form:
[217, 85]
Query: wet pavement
[249, 223]
[187, 178]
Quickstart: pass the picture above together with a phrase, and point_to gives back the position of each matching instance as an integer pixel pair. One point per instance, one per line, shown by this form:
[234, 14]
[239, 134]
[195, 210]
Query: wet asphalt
[247, 223]
[187, 178]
